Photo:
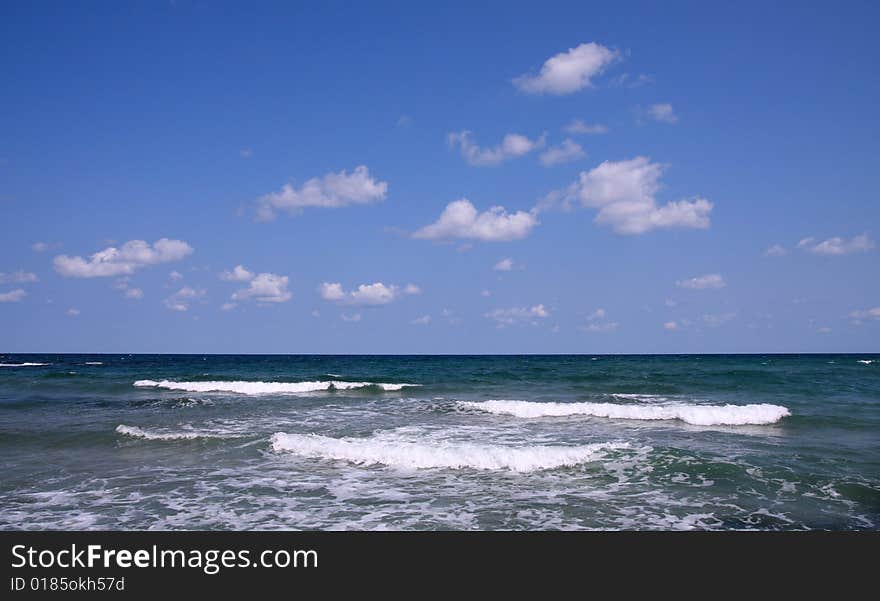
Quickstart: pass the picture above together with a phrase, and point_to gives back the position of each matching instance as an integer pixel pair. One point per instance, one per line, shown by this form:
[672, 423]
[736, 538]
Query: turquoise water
[440, 442]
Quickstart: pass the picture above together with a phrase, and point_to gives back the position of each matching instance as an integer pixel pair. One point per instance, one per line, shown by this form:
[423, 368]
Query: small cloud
[504, 265]
[422, 321]
[505, 317]
[578, 127]
[353, 317]
[245, 153]
[333, 190]
[127, 259]
[715, 320]
[662, 113]
[670, 303]
[670, 325]
[512, 146]
[175, 275]
[607, 326]
[823, 330]
[865, 314]
[566, 152]
[597, 314]
[837, 245]
[40, 247]
[238, 274]
[228, 306]
[135, 293]
[181, 300]
[13, 296]
[703, 282]
[265, 288]
[365, 294]
[72, 312]
[777, 250]
[18, 277]
[598, 323]
[460, 219]
[404, 121]
[485, 292]
[568, 71]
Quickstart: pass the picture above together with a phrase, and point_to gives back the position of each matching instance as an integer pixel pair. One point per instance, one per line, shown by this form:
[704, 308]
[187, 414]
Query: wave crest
[22, 364]
[253, 388]
[136, 432]
[698, 415]
[426, 455]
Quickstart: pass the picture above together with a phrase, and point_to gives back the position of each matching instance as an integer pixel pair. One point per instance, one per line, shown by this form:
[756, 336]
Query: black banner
[175, 563]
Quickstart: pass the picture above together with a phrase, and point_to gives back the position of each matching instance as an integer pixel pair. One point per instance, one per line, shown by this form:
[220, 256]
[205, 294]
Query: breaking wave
[136, 432]
[698, 415]
[22, 364]
[245, 387]
[425, 455]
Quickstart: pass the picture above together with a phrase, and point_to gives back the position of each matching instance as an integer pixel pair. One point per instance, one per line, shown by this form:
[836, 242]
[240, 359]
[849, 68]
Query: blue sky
[647, 157]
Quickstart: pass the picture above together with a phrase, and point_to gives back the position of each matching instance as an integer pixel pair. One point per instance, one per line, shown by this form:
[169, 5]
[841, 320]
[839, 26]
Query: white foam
[22, 364]
[244, 387]
[699, 415]
[866, 361]
[424, 455]
[167, 435]
[94, 363]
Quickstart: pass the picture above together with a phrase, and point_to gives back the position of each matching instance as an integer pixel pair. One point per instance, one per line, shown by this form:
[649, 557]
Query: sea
[508, 442]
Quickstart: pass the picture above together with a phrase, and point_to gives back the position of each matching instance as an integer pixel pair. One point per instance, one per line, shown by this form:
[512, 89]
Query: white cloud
[511, 147]
[265, 288]
[175, 275]
[460, 219]
[238, 274]
[715, 320]
[579, 127]
[245, 153]
[422, 321]
[662, 112]
[624, 192]
[112, 261]
[13, 296]
[837, 245]
[228, 306]
[506, 317]
[181, 300]
[569, 71]
[332, 191]
[485, 292]
[777, 250]
[670, 325]
[39, 247]
[352, 317]
[597, 314]
[365, 294]
[605, 326]
[331, 291]
[73, 312]
[135, 293]
[866, 314]
[566, 152]
[504, 265]
[703, 282]
[597, 324]
[18, 277]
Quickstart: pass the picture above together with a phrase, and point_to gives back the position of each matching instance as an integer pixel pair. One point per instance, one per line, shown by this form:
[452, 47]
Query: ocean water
[440, 442]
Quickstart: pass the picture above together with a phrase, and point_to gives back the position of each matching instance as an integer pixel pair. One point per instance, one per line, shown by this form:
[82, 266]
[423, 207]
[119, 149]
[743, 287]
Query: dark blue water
[440, 442]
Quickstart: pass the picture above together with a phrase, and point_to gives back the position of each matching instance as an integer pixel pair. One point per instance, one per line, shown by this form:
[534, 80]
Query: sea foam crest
[698, 415]
[426, 455]
[167, 435]
[22, 364]
[245, 387]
